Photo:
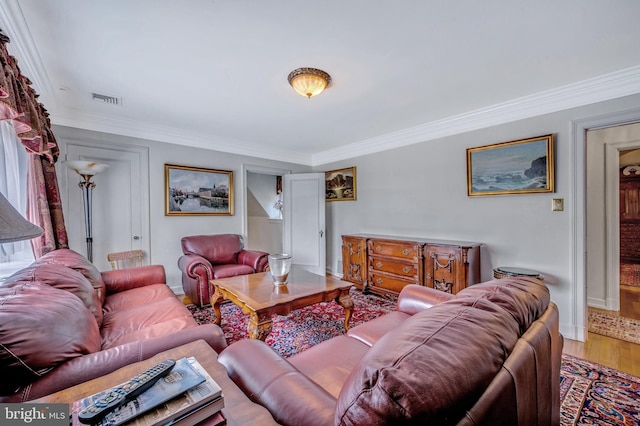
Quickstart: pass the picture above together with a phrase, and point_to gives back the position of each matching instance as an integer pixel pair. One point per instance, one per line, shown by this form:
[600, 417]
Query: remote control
[121, 394]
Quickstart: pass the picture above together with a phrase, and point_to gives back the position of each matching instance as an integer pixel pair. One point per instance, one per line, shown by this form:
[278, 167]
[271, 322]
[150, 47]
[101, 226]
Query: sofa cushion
[136, 297]
[64, 278]
[331, 361]
[224, 271]
[218, 249]
[143, 313]
[400, 380]
[371, 331]
[524, 298]
[30, 345]
[75, 260]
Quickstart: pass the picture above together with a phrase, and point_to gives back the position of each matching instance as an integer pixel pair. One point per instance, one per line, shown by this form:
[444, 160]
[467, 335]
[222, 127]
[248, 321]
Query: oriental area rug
[591, 394]
[630, 274]
[615, 326]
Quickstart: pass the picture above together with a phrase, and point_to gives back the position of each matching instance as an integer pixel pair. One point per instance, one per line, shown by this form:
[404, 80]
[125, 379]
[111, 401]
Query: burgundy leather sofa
[62, 322]
[489, 355]
[207, 257]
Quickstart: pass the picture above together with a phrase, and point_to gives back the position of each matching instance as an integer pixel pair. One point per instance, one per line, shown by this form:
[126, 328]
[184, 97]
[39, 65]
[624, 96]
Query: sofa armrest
[258, 260]
[125, 279]
[196, 267]
[271, 381]
[97, 364]
[416, 298]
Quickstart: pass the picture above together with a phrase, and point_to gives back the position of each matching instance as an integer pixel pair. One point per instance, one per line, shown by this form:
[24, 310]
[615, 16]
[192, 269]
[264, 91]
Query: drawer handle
[406, 251]
[378, 248]
[406, 269]
[379, 264]
[379, 281]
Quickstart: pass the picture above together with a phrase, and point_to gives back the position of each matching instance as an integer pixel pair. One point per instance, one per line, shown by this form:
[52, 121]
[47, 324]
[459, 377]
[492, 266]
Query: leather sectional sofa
[489, 355]
[62, 322]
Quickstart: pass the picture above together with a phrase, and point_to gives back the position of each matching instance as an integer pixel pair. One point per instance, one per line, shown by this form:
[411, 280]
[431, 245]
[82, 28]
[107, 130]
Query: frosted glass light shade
[86, 168]
[309, 82]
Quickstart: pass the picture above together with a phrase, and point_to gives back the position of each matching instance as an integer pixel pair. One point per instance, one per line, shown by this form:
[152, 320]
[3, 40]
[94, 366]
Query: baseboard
[596, 303]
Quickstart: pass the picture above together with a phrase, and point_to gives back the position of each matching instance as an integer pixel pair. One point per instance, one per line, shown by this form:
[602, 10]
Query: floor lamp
[87, 169]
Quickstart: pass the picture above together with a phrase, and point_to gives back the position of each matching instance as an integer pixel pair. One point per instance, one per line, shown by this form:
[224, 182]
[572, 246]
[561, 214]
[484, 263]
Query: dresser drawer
[386, 285]
[410, 270]
[401, 249]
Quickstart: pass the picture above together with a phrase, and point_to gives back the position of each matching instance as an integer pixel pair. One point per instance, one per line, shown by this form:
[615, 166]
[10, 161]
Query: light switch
[557, 204]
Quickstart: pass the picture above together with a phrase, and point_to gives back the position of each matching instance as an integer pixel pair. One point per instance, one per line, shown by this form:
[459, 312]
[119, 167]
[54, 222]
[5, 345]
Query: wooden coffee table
[238, 408]
[256, 295]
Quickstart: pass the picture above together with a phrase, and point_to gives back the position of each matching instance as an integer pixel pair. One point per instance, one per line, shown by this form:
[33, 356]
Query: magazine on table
[185, 389]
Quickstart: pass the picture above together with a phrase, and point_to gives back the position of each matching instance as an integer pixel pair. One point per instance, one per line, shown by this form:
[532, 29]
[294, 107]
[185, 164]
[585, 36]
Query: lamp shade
[13, 226]
[86, 168]
[309, 81]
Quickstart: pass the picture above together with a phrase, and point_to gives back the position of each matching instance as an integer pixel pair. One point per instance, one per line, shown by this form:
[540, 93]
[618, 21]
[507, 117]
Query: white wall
[420, 190]
[166, 231]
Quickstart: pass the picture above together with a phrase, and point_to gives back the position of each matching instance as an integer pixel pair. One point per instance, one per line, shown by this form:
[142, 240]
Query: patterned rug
[591, 394]
[630, 274]
[303, 328]
[618, 327]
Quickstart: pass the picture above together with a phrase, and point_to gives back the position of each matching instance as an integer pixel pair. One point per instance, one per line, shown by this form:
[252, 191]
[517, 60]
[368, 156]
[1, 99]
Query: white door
[120, 203]
[304, 223]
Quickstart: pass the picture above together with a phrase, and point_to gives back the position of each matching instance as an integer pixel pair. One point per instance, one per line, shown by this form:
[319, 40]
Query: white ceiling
[213, 73]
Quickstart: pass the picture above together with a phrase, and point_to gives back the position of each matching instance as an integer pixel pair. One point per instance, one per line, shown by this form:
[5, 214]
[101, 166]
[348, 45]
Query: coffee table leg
[216, 299]
[345, 301]
[260, 325]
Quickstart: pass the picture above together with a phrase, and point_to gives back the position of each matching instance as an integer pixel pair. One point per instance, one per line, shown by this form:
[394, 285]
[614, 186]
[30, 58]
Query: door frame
[578, 315]
[612, 190]
[253, 168]
[68, 183]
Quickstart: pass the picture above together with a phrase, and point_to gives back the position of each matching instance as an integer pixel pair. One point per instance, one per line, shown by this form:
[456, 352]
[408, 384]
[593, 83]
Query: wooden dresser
[384, 264]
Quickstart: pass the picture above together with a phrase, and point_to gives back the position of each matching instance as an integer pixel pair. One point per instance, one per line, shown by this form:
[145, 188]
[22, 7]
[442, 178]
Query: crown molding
[24, 48]
[176, 136]
[602, 88]
[609, 86]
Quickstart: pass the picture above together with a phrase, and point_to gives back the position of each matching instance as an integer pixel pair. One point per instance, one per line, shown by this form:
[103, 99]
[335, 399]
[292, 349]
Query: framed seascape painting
[519, 167]
[340, 184]
[197, 191]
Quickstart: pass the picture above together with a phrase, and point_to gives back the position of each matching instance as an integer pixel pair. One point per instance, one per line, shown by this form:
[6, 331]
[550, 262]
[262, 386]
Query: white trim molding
[601, 88]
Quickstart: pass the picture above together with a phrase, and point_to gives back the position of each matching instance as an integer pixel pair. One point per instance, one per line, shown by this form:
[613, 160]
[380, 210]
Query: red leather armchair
[208, 257]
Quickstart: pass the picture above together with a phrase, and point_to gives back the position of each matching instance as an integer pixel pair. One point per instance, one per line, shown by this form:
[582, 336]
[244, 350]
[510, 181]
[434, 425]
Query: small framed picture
[341, 184]
[518, 167]
[197, 191]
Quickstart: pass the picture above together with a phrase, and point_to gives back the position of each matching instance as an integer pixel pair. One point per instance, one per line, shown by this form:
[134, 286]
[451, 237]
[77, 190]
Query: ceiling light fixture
[309, 81]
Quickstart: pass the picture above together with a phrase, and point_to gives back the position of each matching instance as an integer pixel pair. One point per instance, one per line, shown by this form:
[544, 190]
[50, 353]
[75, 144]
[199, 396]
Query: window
[13, 185]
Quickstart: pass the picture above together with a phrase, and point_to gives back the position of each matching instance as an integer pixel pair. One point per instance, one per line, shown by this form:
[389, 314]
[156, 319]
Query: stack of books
[186, 396]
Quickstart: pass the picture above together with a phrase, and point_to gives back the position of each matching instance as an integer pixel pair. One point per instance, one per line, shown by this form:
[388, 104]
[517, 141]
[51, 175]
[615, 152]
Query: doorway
[603, 150]
[120, 214]
[261, 223]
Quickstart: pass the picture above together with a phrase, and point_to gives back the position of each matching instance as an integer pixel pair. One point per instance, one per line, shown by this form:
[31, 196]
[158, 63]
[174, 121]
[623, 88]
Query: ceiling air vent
[106, 99]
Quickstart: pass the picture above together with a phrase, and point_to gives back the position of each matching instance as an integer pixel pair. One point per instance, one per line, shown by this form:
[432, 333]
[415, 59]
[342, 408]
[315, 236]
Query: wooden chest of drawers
[389, 263]
[354, 260]
[392, 264]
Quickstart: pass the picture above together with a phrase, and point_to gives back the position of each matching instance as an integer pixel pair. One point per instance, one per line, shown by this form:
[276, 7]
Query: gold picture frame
[340, 184]
[196, 191]
[522, 166]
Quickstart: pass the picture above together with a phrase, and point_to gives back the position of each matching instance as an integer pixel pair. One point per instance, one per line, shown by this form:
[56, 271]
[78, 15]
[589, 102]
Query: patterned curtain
[19, 104]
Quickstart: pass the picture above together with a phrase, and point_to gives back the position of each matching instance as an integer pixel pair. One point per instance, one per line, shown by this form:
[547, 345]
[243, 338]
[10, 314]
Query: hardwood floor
[614, 353]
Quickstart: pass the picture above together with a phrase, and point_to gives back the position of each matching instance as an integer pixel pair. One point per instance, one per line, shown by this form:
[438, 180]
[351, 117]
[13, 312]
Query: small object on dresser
[187, 390]
[509, 271]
